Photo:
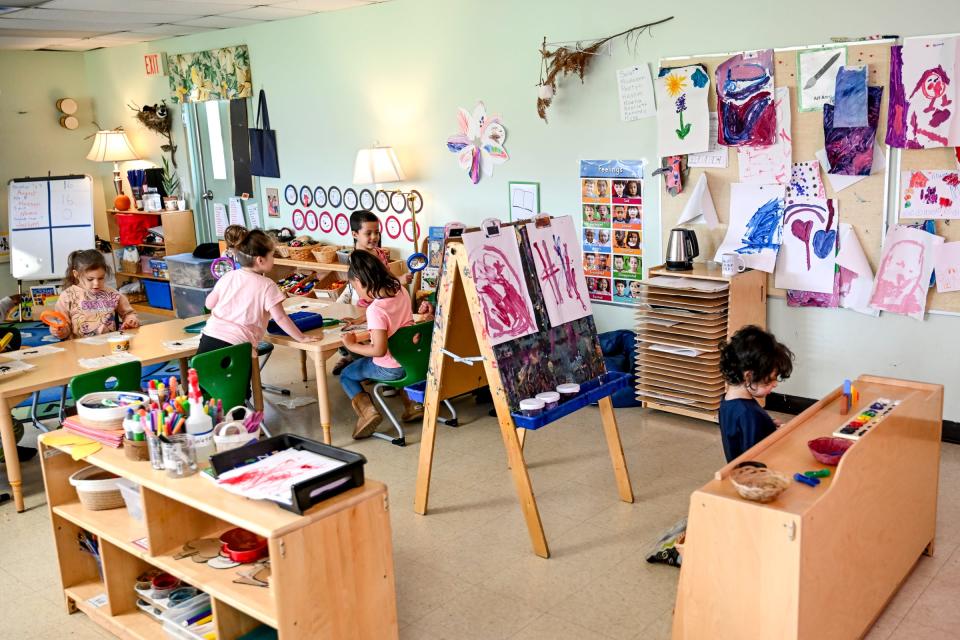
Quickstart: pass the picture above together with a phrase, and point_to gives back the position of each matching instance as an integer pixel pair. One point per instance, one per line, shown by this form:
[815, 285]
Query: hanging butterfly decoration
[479, 145]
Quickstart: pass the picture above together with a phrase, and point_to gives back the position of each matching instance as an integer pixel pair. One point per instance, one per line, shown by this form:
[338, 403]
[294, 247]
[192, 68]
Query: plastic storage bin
[158, 293]
[189, 300]
[131, 497]
[175, 618]
[188, 271]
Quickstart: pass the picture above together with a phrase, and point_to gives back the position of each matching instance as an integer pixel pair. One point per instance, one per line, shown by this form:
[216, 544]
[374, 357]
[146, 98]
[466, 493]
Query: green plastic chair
[410, 346]
[120, 377]
[225, 374]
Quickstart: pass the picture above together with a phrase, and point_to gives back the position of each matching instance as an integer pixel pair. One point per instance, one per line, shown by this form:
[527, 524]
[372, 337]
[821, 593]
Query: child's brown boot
[367, 416]
[411, 410]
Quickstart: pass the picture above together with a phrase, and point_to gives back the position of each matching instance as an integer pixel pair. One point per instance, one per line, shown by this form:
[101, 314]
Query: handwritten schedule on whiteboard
[29, 205]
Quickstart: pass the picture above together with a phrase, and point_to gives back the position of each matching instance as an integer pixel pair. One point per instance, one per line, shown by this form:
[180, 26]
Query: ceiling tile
[44, 33]
[27, 43]
[129, 37]
[267, 13]
[216, 22]
[158, 7]
[173, 29]
[59, 25]
[21, 3]
[99, 17]
[320, 5]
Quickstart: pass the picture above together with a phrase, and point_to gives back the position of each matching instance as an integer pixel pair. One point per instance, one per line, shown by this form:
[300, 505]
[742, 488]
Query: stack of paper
[109, 437]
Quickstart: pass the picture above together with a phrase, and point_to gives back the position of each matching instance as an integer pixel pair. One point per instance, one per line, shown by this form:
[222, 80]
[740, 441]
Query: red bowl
[829, 450]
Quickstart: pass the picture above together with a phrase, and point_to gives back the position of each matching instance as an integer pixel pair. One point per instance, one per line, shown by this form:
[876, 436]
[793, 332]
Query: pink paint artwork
[904, 275]
[494, 263]
[922, 112]
[947, 266]
[771, 164]
[556, 254]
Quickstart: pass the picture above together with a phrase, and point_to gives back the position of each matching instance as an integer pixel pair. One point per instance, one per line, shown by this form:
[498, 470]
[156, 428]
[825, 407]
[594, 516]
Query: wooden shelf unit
[332, 568]
[817, 562]
[686, 318]
[179, 236]
[397, 267]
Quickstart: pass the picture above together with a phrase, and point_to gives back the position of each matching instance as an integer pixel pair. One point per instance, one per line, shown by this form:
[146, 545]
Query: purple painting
[923, 94]
[747, 115]
[850, 149]
[797, 298]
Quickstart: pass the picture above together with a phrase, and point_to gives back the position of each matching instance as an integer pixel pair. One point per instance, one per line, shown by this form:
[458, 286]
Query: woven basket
[97, 489]
[281, 250]
[301, 254]
[759, 485]
[325, 255]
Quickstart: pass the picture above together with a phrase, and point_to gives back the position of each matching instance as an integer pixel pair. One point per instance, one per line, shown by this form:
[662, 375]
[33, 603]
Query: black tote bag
[263, 144]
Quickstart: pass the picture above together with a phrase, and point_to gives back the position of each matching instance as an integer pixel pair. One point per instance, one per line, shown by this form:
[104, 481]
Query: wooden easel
[460, 330]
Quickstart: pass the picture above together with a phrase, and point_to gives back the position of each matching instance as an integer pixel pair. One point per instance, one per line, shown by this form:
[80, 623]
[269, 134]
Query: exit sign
[153, 64]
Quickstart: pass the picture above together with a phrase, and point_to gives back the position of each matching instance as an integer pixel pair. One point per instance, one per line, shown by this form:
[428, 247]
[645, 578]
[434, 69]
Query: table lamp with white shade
[379, 165]
[112, 146]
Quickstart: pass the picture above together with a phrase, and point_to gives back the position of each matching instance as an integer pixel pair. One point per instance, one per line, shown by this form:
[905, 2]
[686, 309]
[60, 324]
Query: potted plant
[171, 185]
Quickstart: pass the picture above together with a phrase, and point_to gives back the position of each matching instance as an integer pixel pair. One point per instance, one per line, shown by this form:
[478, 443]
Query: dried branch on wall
[158, 119]
[565, 61]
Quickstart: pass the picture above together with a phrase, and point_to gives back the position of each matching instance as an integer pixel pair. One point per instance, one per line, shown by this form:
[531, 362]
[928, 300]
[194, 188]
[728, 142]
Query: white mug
[731, 264]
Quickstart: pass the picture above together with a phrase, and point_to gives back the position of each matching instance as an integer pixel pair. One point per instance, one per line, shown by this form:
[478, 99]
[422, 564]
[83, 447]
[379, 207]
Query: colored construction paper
[497, 271]
[805, 180]
[903, 277]
[745, 100]
[930, 194]
[683, 121]
[771, 164]
[922, 112]
[947, 266]
[816, 77]
[807, 257]
[856, 276]
[850, 149]
[559, 263]
[850, 97]
[700, 208]
[755, 227]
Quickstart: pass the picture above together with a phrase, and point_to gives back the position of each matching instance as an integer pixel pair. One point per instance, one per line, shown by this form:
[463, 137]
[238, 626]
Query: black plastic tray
[306, 493]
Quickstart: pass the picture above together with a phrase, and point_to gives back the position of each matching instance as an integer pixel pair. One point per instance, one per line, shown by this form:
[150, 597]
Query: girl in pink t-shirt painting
[389, 309]
[243, 301]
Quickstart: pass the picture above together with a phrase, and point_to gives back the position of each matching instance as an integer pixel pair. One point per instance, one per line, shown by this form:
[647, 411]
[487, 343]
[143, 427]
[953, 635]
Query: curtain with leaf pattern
[216, 74]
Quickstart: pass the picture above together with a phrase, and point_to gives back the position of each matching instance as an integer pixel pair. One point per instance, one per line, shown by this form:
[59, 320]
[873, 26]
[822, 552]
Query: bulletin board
[928, 159]
[863, 205]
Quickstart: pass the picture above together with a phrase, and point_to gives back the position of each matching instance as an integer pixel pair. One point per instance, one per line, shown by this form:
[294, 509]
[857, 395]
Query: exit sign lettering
[153, 64]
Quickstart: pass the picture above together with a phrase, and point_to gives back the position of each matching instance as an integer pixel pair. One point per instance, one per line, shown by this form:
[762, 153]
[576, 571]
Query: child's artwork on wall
[772, 164]
[755, 227]
[805, 180]
[850, 149]
[856, 276]
[524, 200]
[494, 260]
[745, 100]
[683, 120]
[559, 264]
[479, 142]
[903, 277]
[930, 194]
[840, 182]
[807, 256]
[923, 94]
[831, 300]
[817, 73]
[700, 207]
[612, 204]
[947, 266]
[716, 156]
[850, 97]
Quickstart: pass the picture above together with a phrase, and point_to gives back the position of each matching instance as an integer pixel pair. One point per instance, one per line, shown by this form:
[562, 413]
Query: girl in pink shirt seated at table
[388, 310]
[243, 301]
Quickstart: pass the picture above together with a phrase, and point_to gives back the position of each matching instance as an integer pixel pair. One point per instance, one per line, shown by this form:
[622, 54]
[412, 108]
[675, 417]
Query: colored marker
[819, 473]
[812, 482]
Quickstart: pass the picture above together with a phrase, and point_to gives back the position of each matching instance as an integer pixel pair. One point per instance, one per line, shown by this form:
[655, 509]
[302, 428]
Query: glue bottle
[199, 425]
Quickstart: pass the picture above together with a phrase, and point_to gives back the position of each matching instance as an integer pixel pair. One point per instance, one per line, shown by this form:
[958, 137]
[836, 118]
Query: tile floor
[466, 570]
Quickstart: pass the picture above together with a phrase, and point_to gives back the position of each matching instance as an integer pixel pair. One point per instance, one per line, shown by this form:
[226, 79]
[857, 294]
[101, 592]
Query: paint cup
[731, 264]
[568, 391]
[550, 399]
[531, 407]
[179, 456]
[119, 344]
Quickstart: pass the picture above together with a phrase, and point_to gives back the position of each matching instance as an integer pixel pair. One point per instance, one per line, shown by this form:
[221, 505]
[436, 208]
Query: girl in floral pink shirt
[89, 305]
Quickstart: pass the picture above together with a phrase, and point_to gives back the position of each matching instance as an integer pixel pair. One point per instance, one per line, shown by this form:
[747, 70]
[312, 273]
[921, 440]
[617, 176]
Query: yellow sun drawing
[675, 85]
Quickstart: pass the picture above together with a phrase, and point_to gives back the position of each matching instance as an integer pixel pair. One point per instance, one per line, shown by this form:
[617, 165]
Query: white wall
[396, 72]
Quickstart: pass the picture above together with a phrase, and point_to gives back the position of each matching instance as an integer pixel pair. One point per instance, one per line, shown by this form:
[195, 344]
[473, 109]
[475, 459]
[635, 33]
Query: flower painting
[683, 119]
[479, 143]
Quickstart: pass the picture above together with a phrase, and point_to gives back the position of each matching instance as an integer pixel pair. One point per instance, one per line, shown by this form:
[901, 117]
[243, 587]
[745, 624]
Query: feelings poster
[612, 214]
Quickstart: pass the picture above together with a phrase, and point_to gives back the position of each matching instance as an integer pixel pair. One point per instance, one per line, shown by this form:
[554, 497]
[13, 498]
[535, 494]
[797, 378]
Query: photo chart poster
[612, 204]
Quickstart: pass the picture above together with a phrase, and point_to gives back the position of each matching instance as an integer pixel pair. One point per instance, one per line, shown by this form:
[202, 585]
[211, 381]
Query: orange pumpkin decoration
[121, 202]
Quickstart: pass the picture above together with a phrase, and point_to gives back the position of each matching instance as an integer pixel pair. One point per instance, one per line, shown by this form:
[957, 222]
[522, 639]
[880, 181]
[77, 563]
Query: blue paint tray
[304, 320]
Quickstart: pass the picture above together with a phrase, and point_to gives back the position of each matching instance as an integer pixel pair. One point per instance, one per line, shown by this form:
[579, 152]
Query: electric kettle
[682, 248]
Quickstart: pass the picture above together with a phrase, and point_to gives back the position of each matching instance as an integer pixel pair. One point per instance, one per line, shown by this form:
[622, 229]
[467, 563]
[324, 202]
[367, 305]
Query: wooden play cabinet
[332, 568]
[817, 562]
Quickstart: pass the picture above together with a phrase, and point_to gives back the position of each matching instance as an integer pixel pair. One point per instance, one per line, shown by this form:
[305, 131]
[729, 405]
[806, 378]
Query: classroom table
[330, 339]
[59, 368]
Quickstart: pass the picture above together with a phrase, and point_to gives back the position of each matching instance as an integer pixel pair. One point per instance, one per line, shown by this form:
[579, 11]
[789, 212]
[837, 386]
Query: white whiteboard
[48, 218]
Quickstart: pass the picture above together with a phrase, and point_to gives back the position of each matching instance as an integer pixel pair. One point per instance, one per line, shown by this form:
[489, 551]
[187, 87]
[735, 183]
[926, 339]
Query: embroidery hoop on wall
[350, 199]
[382, 201]
[328, 226]
[334, 200]
[345, 230]
[290, 194]
[298, 224]
[392, 227]
[306, 220]
[306, 196]
[366, 199]
[319, 197]
[416, 230]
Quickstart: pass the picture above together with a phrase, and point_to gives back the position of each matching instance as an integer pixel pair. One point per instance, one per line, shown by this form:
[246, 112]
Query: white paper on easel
[236, 212]
[699, 207]
[840, 182]
[854, 289]
[220, 221]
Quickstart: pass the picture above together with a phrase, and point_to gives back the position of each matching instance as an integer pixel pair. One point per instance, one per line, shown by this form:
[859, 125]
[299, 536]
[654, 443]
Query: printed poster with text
[611, 196]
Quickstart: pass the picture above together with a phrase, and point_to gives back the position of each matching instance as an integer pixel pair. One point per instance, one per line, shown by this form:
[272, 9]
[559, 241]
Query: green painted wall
[396, 72]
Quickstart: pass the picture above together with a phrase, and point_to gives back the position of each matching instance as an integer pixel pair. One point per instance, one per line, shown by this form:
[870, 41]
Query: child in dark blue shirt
[752, 363]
